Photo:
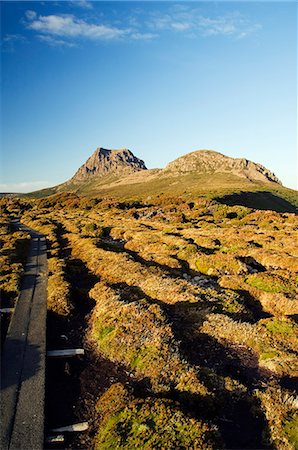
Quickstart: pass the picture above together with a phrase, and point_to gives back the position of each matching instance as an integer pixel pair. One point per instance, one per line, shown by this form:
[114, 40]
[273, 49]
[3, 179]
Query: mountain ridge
[122, 166]
[202, 172]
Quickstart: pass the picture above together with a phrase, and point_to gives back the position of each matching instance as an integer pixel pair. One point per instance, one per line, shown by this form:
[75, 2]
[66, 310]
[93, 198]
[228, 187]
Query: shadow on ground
[259, 200]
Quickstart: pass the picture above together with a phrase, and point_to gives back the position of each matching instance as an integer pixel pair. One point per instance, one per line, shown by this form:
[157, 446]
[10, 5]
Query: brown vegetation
[197, 302]
[13, 253]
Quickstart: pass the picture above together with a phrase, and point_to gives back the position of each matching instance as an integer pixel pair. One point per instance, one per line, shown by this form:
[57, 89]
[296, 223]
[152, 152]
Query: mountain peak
[105, 162]
[210, 161]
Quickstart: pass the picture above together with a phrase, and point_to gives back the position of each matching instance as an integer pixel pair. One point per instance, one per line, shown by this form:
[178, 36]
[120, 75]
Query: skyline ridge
[158, 77]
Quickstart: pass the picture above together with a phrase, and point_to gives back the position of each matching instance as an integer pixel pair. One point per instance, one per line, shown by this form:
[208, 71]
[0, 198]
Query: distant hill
[120, 173]
[10, 194]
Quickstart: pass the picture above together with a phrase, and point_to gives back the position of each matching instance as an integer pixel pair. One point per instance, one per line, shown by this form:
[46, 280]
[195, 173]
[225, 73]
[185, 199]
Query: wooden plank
[6, 310]
[65, 353]
[76, 427]
[55, 439]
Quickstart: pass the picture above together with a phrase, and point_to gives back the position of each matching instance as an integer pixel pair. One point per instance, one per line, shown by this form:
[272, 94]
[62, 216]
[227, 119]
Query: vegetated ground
[187, 310]
[14, 246]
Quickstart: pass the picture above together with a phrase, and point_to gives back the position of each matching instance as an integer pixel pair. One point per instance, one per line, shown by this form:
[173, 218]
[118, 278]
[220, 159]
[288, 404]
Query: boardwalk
[23, 358]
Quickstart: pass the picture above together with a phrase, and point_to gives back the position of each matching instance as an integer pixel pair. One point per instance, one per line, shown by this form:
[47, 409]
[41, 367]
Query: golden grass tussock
[137, 333]
[281, 411]
[58, 288]
[279, 304]
[13, 255]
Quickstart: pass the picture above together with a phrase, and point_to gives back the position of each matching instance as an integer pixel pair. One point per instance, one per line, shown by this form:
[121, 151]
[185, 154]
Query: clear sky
[160, 78]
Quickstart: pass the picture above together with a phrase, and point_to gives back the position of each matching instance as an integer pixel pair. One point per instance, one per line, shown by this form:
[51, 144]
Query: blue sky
[160, 78]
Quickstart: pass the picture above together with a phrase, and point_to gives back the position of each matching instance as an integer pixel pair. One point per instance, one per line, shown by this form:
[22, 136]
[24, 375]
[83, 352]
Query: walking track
[23, 357]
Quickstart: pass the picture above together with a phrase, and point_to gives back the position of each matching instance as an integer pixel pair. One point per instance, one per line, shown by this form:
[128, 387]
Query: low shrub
[150, 423]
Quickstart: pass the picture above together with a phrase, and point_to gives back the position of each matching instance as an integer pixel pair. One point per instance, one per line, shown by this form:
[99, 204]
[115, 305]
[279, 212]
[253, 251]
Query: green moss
[230, 249]
[203, 266]
[173, 247]
[232, 307]
[187, 251]
[104, 332]
[136, 361]
[219, 264]
[144, 357]
[229, 306]
[290, 427]
[108, 437]
[268, 355]
[276, 326]
[268, 283]
[157, 424]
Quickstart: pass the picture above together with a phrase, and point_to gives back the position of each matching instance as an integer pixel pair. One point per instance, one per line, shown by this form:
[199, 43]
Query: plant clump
[13, 254]
[149, 423]
[137, 333]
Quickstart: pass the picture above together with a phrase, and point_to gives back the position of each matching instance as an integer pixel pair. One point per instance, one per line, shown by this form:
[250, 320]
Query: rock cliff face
[107, 162]
[207, 161]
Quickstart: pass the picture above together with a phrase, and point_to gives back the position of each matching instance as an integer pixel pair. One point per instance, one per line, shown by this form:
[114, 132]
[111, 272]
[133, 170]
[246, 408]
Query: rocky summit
[207, 161]
[105, 162]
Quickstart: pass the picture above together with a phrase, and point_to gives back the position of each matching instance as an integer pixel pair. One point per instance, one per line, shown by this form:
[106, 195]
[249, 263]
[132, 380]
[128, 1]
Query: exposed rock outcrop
[207, 161]
[106, 162]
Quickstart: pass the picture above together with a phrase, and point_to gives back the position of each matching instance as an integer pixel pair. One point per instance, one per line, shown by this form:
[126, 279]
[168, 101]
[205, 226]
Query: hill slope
[119, 173]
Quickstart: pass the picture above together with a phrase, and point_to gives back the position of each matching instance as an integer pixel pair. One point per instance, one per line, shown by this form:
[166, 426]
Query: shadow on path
[11, 357]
